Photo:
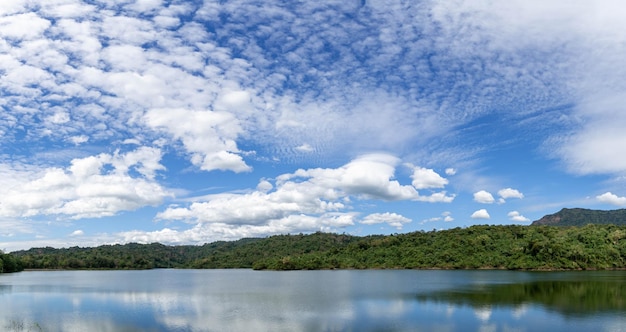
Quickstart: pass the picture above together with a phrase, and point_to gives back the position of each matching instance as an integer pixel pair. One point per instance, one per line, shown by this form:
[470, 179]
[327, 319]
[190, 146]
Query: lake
[343, 300]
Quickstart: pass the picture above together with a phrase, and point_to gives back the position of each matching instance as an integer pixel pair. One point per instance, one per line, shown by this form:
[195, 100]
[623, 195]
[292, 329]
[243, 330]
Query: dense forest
[478, 247]
[9, 263]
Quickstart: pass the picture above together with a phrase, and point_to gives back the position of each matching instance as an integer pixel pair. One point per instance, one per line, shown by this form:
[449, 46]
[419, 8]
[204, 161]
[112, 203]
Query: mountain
[581, 217]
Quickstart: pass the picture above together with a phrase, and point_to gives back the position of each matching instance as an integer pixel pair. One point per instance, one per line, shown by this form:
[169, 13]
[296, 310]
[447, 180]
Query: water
[245, 300]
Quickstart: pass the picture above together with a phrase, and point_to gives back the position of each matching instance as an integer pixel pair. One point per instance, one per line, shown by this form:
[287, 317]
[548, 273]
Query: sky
[188, 122]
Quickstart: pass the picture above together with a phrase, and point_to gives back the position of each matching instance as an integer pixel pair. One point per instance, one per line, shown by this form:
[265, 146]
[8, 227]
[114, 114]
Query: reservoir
[340, 300]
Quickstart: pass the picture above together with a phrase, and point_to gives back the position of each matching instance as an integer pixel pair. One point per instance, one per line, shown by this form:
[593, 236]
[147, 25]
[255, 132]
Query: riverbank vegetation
[512, 247]
[9, 263]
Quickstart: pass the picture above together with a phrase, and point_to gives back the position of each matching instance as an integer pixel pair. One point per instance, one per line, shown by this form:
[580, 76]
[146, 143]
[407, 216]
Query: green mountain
[581, 217]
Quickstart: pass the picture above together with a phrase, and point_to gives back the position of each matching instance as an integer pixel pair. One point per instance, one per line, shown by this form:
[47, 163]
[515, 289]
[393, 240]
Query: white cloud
[77, 140]
[450, 171]
[264, 186]
[516, 216]
[425, 178]
[510, 193]
[484, 197]
[85, 189]
[480, 214]
[77, 232]
[209, 136]
[393, 219]
[610, 198]
[306, 195]
[591, 149]
[447, 216]
[209, 232]
[23, 26]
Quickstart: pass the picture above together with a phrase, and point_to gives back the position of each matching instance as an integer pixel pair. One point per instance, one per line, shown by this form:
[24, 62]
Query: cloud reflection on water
[243, 300]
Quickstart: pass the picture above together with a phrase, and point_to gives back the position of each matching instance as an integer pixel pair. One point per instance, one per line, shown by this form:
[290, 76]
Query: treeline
[121, 257]
[477, 247]
[217, 255]
[9, 263]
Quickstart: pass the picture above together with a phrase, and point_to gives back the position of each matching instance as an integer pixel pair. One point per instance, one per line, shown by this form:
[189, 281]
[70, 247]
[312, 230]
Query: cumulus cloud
[209, 232]
[510, 193]
[480, 214]
[308, 195]
[610, 198]
[393, 219]
[484, 197]
[425, 178]
[516, 216]
[91, 187]
[77, 232]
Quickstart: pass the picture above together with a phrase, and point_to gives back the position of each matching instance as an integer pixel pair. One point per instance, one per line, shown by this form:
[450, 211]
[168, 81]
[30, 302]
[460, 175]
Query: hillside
[512, 247]
[581, 217]
[217, 255]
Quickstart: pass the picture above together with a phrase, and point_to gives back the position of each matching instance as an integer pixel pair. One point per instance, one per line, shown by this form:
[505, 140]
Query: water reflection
[244, 300]
[568, 298]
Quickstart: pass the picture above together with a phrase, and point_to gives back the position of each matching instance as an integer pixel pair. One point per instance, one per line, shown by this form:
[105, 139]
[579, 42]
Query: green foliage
[129, 256]
[478, 247]
[10, 263]
[512, 247]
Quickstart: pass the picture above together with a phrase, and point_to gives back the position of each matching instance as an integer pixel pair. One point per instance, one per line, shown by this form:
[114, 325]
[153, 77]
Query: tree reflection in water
[569, 298]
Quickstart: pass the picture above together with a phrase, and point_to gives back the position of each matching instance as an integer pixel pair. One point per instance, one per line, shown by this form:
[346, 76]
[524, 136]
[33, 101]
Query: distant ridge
[582, 217]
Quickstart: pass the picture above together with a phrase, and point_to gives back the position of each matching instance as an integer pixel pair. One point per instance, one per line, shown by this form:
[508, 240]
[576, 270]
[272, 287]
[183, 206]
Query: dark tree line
[512, 247]
[9, 263]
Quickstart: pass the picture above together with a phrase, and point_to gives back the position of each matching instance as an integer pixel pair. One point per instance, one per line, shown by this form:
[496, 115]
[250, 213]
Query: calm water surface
[245, 300]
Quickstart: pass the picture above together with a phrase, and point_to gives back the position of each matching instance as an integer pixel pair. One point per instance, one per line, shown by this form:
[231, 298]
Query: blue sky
[186, 122]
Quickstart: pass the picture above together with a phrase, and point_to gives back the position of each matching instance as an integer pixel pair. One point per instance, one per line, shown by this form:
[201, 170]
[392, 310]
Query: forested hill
[476, 247]
[581, 217]
[236, 254]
